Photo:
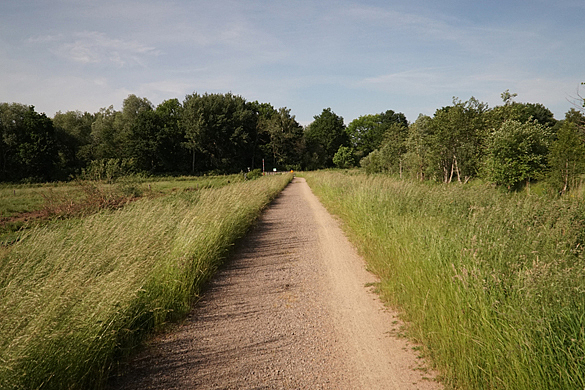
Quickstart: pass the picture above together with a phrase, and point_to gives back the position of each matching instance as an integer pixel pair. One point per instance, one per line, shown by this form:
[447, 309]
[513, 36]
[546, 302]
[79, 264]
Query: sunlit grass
[25, 205]
[16, 199]
[491, 283]
[78, 295]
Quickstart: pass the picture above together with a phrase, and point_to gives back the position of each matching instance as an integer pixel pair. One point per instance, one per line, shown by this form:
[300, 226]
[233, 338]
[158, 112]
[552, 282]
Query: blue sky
[357, 57]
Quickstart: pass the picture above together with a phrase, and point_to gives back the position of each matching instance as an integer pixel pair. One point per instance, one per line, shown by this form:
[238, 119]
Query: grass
[78, 295]
[25, 205]
[492, 284]
[22, 198]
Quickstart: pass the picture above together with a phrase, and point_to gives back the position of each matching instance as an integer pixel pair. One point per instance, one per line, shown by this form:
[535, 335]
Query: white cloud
[422, 81]
[92, 47]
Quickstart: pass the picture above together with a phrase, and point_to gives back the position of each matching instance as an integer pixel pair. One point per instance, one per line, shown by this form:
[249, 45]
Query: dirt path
[291, 310]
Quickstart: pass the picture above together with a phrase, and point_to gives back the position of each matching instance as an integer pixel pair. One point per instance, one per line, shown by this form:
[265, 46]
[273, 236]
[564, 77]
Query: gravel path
[290, 310]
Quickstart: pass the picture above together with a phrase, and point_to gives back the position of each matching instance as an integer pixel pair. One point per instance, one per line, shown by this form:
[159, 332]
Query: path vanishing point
[291, 309]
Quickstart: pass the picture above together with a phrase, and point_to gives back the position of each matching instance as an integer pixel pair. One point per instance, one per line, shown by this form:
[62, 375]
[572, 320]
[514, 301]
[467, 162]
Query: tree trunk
[566, 184]
[457, 169]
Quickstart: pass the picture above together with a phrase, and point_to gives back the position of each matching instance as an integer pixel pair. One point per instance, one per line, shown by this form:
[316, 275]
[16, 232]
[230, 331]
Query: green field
[492, 284]
[78, 295]
[25, 205]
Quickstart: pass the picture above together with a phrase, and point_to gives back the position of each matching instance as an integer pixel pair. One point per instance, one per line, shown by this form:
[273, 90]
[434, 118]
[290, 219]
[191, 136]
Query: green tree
[367, 132]
[577, 117]
[262, 149]
[28, 148]
[517, 153]
[142, 141]
[221, 130]
[323, 138]
[284, 139]
[172, 154]
[132, 107]
[419, 147]
[105, 141]
[522, 112]
[457, 135]
[567, 157]
[344, 158]
[73, 136]
[389, 157]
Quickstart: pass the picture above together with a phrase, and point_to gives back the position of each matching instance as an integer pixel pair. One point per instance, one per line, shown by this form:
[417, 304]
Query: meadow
[79, 294]
[490, 283]
[23, 206]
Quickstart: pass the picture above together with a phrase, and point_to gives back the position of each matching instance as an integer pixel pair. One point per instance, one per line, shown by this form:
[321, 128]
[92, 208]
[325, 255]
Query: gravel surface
[290, 310]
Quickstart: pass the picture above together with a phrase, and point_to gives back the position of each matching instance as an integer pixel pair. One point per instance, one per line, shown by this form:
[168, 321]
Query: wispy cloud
[92, 47]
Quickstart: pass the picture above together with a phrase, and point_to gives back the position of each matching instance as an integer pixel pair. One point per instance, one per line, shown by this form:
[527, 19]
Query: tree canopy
[509, 144]
[323, 138]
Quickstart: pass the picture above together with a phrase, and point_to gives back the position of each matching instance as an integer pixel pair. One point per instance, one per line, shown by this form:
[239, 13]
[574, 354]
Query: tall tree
[323, 138]
[105, 139]
[221, 130]
[567, 156]
[419, 147]
[28, 148]
[73, 135]
[285, 136]
[125, 122]
[521, 112]
[367, 132]
[171, 138]
[459, 133]
[142, 141]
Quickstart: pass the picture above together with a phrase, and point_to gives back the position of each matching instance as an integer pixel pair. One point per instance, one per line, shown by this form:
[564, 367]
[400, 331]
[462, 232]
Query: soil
[293, 308]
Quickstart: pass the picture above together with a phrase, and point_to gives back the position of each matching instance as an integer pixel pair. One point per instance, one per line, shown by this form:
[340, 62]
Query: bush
[344, 158]
[254, 174]
[109, 170]
[517, 153]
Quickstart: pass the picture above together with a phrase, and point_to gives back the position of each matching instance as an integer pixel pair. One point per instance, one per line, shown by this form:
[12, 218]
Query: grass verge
[492, 284]
[79, 295]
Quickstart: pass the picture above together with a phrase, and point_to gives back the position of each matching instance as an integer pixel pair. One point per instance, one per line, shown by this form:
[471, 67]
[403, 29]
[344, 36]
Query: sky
[355, 57]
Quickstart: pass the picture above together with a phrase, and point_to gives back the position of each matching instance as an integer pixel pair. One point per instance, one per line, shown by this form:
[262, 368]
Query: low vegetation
[78, 295]
[23, 206]
[491, 282]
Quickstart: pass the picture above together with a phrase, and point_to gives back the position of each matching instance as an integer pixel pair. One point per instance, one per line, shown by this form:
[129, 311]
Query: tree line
[511, 144]
[220, 133]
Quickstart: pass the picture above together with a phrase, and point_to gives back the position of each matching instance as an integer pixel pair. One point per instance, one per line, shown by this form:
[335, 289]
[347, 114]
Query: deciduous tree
[27, 147]
[567, 157]
[517, 152]
[323, 138]
[221, 130]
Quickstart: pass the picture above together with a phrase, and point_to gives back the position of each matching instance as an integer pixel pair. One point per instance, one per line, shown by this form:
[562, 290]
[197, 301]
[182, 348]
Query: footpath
[293, 308]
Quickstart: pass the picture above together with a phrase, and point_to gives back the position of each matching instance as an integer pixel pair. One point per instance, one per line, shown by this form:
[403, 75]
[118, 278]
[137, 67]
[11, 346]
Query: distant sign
[274, 169]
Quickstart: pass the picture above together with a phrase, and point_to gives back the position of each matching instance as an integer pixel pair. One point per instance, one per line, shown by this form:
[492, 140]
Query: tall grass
[23, 206]
[492, 284]
[79, 295]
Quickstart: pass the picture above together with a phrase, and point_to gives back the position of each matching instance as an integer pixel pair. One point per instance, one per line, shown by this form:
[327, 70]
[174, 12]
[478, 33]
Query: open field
[492, 284]
[79, 294]
[25, 205]
[21, 198]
